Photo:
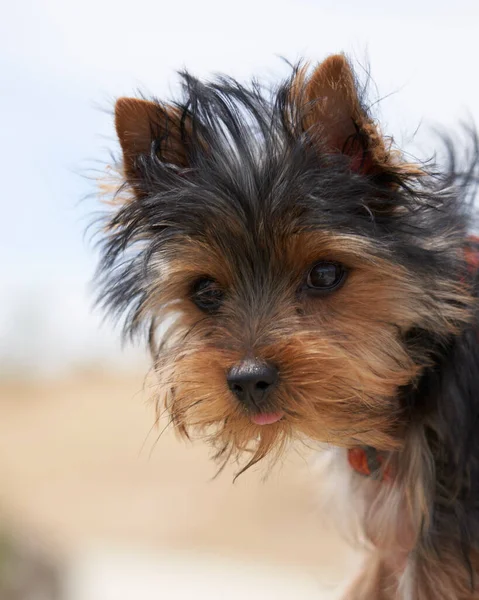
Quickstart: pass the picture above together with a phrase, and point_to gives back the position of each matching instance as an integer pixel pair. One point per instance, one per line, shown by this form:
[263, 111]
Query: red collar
[370, 462]
[471, 252]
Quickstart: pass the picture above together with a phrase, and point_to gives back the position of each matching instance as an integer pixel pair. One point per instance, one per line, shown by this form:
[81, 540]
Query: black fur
[447, 402]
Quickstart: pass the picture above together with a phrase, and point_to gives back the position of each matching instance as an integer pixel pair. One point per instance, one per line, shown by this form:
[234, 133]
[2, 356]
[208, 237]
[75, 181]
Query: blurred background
[93, 506]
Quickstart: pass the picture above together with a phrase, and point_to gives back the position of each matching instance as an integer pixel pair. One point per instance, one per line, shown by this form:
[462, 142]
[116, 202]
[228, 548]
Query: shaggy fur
[243, 190]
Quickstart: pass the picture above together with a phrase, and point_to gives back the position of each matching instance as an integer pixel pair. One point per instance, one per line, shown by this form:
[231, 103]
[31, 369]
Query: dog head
[290, 267]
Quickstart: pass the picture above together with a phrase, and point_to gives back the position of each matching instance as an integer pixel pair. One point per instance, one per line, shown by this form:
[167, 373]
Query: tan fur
[341, 361]
[398, 577]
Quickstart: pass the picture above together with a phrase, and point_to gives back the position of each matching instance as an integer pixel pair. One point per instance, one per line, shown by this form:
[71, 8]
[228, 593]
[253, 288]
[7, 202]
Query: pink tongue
[267, 418]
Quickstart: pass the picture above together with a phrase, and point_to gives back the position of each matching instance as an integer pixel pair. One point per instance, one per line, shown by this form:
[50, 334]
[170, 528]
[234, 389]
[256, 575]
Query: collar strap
[369, 462]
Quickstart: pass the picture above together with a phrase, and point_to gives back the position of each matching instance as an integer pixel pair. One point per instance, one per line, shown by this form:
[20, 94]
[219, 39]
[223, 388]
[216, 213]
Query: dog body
[297, 278]
[378, 519]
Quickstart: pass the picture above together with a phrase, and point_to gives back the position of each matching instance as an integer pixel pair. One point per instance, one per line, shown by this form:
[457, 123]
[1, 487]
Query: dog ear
[147, 129]
[337, 120]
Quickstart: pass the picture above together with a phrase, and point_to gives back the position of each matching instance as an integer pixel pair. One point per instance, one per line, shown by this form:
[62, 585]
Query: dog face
[296, 266]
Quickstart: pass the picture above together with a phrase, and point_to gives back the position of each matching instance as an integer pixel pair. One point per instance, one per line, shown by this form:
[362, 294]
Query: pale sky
[61, 62]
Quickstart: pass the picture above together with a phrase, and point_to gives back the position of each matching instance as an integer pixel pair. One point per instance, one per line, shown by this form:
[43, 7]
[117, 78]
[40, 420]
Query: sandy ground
[83, 472]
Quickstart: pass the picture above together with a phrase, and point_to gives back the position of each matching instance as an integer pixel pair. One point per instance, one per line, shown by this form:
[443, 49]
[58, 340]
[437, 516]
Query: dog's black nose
[251, 381]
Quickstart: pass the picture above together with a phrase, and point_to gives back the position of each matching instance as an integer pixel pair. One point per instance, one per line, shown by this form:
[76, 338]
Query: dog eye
[207, 294]
[325, 277]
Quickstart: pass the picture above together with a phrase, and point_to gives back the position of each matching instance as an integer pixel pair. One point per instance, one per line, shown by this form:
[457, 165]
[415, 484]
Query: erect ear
[333, 113]
[146, 128]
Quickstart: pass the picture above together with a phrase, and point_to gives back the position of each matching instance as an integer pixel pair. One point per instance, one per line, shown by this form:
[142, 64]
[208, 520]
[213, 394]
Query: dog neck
[369, 461]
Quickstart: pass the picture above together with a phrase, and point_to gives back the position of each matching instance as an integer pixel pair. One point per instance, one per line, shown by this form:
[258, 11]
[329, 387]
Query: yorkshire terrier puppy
[297, 277]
